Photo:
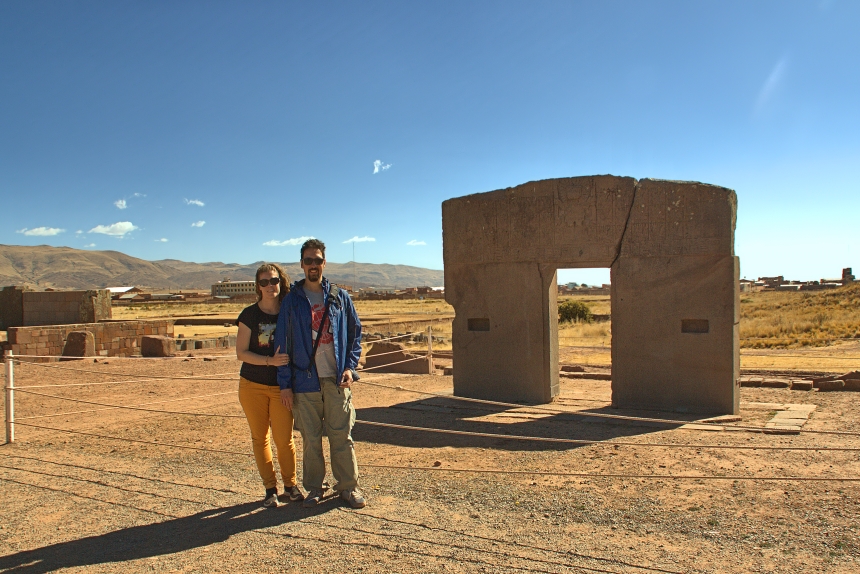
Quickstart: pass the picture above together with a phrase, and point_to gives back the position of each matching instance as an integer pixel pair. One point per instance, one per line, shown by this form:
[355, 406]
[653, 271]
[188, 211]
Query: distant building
[233, 288]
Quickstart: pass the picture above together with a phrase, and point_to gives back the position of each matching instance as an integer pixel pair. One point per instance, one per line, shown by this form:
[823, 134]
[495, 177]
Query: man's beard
[313, 275]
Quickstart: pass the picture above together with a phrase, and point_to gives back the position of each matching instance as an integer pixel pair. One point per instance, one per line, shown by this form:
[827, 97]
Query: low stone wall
[223, 342]
[112, 339]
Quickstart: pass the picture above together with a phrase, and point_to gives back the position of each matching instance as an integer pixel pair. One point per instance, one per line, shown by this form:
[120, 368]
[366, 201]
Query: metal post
[10, 398]
[432, 367]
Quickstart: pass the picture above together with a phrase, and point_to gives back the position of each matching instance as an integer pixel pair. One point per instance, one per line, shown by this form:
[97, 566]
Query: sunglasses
[267, 282]
[313, 261]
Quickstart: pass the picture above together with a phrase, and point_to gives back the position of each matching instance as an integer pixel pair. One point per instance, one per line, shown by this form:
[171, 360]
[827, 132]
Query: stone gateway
[669, 246]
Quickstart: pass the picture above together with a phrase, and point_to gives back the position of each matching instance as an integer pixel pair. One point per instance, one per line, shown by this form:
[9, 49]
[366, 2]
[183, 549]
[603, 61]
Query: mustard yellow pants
[263, 409]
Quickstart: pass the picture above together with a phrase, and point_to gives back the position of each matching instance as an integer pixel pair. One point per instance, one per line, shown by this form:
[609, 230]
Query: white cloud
[358, 239]
[139, 195]
[79, 231]
[118, 229]
[90, 245]
[379, 166]
[416, 242]
[162, 240]
[41, 231]
[120, 204]
[771, 83]
[284, 243]
[198, 224]
[196, 202]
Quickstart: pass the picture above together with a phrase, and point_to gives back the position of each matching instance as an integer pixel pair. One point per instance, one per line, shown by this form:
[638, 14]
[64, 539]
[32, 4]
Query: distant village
[779, 283]
[244, 290]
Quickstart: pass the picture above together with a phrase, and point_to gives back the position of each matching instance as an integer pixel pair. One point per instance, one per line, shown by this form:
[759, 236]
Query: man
[320, 328]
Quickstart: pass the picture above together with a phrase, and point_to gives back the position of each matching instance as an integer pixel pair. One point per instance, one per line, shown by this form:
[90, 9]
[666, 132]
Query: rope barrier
[615, 561]
[607, 442]
[125, 474]
[413, 351]
[114, 408]
[130, 408]
[47, 366]
[622, 475]
[156, 443]
[490, 471]
[125, 358]
[392, 338]
[390, 364]
[101, 483]
[604, 415]
[449, 431]
[779, 356]
[219, 378]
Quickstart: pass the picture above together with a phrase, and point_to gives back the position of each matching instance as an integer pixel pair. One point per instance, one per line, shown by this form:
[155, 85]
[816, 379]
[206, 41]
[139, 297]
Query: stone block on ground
[852, 385]
[776, 383]
[801, 385]
[79, 344]
[157, 346]
[572, 369]
[448, 371]
[834, 385]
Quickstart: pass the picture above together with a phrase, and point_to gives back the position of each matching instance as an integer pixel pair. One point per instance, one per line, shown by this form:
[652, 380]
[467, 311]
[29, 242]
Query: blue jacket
[294, 335]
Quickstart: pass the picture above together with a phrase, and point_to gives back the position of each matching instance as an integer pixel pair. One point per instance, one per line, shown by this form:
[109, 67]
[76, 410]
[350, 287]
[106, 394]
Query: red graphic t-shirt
[317, 311]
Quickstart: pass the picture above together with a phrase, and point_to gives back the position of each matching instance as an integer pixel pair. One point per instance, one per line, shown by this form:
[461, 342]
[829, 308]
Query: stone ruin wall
[112, 339]
[65, 307]
[670, 249]
[23, 307]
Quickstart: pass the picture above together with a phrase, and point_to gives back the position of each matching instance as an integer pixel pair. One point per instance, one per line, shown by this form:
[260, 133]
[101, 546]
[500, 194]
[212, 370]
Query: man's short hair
[313, 244]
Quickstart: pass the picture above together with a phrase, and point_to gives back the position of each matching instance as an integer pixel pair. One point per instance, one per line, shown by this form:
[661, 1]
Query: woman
[259, 393]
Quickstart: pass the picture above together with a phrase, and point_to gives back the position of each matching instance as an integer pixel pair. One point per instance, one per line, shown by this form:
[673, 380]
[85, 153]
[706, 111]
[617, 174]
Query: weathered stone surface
[852, 385]
[572, 369]
[670, 248]
[776, 383]
[157, 346]
[381, 355]
[834, 385]
[801, 385]
[79, 344]
[448, 371]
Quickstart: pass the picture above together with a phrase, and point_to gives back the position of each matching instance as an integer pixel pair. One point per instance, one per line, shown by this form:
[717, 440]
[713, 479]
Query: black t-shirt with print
[262, 327]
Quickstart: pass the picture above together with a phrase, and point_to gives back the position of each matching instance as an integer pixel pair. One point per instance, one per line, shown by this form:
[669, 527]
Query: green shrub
[574, 311]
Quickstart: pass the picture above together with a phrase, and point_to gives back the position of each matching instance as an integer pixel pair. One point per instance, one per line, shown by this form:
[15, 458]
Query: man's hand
[287, 398]
[279, 359]
[346, 379]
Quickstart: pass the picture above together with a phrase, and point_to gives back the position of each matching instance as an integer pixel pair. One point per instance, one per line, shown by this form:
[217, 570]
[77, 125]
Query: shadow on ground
[157, 539]
[449, 414]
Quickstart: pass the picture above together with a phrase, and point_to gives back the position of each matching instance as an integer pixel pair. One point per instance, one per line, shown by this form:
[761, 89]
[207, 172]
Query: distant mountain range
[66, 268]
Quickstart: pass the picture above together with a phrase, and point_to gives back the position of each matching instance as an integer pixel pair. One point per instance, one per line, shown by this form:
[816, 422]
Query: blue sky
[228, 131]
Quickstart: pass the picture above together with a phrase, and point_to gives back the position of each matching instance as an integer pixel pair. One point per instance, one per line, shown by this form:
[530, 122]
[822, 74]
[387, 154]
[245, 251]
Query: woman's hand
[279, 359]
[287, 398]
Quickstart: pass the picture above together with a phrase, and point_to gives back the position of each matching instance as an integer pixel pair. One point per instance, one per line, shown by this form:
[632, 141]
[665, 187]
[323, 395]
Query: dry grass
[404, 307]
[599, 304]
[800, 319]
[158, 309]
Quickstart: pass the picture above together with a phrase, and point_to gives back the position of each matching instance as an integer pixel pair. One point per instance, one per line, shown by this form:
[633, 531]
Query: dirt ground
[81, 503]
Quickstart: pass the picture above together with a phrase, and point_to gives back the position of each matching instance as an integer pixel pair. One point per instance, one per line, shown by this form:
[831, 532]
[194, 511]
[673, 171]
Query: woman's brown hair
[272, 268]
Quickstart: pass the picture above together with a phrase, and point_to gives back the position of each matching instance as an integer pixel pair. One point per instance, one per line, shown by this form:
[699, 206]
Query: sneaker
[353, 497]
[271, 500]
[314, 497]
[292, 494]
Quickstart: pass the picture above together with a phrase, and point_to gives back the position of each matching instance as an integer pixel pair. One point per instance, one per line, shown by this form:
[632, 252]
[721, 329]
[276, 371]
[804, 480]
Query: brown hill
[66, 268]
